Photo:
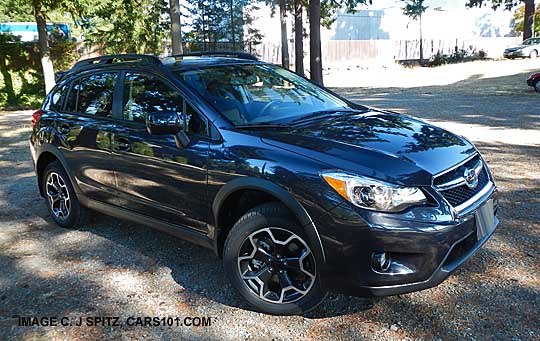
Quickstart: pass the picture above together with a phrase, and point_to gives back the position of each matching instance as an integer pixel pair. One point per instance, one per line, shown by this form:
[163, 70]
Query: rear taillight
[36, 116]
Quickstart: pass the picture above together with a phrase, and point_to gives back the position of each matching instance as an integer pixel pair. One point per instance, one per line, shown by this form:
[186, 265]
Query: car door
[154, 175]
[84, 124]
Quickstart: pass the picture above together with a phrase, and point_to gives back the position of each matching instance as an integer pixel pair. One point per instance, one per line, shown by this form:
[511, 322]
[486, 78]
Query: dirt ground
[115, 268]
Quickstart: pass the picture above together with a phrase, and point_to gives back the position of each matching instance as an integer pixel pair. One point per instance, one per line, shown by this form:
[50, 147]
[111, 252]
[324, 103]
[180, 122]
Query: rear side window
[93, 95]
[56, 99]
[145, 94]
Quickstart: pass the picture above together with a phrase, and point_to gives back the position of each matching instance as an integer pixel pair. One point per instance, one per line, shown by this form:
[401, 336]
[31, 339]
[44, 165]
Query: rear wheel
[62, 202]
[533, 54]
[271, 264]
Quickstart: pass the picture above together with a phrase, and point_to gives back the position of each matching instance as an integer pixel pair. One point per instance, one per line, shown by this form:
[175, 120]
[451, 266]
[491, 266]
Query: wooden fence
[383, 51]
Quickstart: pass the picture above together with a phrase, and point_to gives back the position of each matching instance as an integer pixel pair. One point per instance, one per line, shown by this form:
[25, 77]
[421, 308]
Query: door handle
[64, 128]
[122, 144]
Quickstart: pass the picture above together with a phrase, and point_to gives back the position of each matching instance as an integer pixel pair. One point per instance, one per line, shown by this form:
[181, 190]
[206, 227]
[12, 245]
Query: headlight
[373, 194]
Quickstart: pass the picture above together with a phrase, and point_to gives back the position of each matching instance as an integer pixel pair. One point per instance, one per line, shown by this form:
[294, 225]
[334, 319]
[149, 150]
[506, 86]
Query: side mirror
[163, 123]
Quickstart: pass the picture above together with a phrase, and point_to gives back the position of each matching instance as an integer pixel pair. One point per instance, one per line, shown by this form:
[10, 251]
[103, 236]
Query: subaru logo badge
[471, 178]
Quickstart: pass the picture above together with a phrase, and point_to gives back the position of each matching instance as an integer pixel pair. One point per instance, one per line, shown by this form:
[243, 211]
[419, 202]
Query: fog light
[380, 261]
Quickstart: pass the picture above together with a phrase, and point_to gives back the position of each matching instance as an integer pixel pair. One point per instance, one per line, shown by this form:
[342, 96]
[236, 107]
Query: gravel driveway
[115, 268]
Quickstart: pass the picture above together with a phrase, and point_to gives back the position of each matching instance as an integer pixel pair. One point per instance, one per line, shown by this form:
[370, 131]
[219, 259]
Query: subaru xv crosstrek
[300, 191]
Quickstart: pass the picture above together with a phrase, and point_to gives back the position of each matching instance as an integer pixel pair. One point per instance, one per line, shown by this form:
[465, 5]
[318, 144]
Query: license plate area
[485, 219]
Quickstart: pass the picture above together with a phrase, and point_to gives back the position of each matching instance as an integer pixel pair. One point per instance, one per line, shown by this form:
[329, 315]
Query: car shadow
[197, 271]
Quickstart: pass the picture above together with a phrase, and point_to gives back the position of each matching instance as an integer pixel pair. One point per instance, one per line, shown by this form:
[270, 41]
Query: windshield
[259, 93]
[531, 41]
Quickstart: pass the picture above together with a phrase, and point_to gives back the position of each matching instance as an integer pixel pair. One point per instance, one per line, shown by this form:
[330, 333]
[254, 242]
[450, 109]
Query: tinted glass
[147, 94]
[93, 95]
[57, 99]
[71, 103]
[532, 41]
[194, 122]
[257, 93]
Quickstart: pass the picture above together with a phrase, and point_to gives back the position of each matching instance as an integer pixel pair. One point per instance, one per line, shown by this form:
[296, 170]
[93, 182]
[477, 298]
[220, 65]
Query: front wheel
[537, 85]
[533, 54]
[270, 262]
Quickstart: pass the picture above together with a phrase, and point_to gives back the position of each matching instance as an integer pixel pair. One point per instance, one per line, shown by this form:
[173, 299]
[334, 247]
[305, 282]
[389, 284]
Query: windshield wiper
[322, 114]
[262, 126]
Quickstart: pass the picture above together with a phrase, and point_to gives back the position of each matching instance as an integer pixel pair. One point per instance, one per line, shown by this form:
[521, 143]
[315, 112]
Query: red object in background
[36, 116]
[532, 78]
[534, 81]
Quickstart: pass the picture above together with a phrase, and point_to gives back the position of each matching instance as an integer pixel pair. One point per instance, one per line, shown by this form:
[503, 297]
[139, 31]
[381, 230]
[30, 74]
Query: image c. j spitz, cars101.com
[298, 190]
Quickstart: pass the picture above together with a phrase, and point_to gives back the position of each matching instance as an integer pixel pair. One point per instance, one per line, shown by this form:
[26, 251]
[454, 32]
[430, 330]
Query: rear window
[93, 95]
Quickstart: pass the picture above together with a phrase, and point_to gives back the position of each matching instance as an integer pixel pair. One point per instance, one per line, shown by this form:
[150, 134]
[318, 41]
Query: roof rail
[116, 58]
[239, 55]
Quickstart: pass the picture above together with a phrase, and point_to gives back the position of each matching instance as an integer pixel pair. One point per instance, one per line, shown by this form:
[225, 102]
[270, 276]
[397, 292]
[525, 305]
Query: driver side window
[195, 123]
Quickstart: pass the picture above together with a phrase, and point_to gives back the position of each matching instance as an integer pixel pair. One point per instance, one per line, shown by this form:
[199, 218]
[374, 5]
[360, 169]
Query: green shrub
[457, 56]
[21, 77]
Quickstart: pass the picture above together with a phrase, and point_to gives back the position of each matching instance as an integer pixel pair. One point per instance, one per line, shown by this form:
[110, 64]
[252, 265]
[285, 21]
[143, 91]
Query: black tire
[275, 217]
[536, 85]
[533, 54]
[76, 215]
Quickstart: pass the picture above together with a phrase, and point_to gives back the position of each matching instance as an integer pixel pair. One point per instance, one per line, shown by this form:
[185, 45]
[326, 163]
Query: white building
[381, 31]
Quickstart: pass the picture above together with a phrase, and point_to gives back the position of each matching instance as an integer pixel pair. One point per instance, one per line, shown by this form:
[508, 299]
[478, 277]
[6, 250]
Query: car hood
[519, 47]
[387, 146]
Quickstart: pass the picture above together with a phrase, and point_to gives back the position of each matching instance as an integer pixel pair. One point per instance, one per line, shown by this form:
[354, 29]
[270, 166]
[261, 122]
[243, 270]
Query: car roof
[201, 62]
[172, 63]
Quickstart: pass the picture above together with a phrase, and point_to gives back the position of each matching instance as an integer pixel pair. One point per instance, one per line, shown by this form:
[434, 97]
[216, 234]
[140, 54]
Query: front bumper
[510, 54]
[423, 254]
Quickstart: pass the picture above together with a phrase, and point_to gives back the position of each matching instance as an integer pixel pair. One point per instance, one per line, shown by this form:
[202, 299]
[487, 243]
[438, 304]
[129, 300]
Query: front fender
[284, 196]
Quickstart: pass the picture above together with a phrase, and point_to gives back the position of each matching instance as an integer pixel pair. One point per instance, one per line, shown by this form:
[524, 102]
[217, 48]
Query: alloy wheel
[58, 195]
[276, 265]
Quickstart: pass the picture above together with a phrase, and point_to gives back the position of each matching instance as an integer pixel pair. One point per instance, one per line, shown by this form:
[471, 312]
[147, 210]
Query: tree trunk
[8, 82]
[232, 26]
[284, 43]
[176, 27]
[298, 38]
[528, 20]
[315, 59]
[44, 50]
[421, 40]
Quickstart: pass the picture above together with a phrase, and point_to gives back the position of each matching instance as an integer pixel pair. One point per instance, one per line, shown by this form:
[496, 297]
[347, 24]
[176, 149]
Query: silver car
[529, 48]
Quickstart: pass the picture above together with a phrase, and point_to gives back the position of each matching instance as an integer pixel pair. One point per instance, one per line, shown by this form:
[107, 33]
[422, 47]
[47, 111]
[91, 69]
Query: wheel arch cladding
[45, 159]
[233, 192]
[48, 155]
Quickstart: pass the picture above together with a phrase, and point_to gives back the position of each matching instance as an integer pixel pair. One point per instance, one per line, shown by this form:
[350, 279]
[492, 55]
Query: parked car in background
[529, 48]
[534, 81]
[298, 190]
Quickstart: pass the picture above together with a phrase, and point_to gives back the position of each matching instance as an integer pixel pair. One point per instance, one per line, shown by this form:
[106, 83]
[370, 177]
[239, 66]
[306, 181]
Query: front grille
[460, 194]
[456, 172]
